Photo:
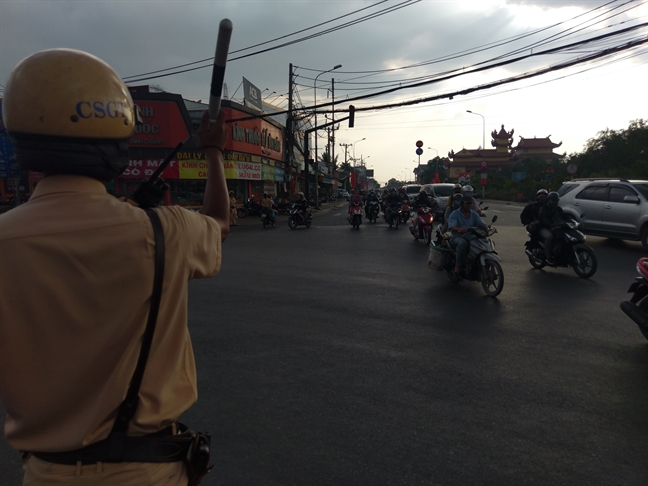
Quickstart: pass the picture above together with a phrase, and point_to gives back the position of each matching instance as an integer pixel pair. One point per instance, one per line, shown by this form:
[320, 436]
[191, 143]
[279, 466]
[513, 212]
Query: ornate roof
[536, 143]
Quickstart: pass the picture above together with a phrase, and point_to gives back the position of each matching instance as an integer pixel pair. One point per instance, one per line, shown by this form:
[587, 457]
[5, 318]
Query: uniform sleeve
[196, 237]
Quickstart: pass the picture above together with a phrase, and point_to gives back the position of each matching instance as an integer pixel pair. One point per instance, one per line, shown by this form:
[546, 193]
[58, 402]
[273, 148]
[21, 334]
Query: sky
[387, 44]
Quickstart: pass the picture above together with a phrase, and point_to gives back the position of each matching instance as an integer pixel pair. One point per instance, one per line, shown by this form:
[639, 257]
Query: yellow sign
[550, 170]
[192, 169]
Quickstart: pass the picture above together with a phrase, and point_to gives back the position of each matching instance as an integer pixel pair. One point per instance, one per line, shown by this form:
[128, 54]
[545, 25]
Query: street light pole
[484, 130]
[315, 132]
[354, 157]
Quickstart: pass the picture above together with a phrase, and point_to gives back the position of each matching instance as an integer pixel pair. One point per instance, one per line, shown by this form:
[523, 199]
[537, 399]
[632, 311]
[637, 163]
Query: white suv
[612, 208]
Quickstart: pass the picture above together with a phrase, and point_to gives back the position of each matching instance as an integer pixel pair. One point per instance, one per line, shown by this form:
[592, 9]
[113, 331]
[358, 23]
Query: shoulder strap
[129, 405]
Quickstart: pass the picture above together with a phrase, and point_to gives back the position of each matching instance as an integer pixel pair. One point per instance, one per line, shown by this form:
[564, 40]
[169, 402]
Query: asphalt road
[334, 356]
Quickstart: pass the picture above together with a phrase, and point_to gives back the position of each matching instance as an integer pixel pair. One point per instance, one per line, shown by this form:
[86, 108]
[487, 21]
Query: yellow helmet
[67, 93]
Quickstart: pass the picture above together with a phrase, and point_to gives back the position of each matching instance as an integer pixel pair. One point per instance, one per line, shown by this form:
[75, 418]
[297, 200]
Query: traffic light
[351, 115]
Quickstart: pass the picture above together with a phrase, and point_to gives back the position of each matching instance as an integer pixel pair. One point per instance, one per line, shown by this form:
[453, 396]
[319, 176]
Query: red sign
[143, 169]
[353, 179]
[419, 144]
[162, 125]
[256, 136]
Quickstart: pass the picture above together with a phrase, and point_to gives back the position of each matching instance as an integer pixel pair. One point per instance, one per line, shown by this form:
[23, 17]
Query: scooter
[423, 228]
[405, 213]
[483, 263]
[250, 208]
[637, 307]
[268, 217]
[569, 250]
[355, 216]
[295, 219]
[373, 210]
[393, 215]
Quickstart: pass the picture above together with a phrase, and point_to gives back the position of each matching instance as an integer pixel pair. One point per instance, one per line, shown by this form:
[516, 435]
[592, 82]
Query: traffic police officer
[76, 272]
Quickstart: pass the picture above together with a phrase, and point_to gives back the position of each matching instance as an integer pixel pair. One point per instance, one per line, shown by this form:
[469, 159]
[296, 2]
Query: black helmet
[457, 189]
[552, 199]
[468, 199]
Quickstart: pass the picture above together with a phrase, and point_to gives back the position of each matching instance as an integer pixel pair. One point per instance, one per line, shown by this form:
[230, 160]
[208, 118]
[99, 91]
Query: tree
[615, 153]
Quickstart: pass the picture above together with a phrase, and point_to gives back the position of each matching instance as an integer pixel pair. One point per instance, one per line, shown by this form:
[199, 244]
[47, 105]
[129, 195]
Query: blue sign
[419, 151]
[518, 176]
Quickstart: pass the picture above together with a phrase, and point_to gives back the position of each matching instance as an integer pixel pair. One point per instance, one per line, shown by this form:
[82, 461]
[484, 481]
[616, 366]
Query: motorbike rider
[529, 215]
[302, 207]
[422, 200]
[372, 196]
[454, 202]
[468, 191]
[460, 222]
[267, 205]
[402, 194]
[354, 200]
[550, 217]
[393, 200]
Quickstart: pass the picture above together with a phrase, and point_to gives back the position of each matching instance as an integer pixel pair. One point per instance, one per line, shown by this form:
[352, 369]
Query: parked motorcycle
[405, 213]
[393, 215]
[422, 230]
[483, 264]
[295, 219]
[637, 307]
[373, 210]
[355, 216]
[268, 217]
[250, 208]
[569, 250]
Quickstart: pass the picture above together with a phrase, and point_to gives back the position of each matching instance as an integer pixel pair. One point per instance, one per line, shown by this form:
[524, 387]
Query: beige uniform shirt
[76, 277]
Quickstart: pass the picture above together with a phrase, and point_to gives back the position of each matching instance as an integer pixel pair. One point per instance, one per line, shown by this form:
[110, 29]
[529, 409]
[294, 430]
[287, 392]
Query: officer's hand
[213, 134]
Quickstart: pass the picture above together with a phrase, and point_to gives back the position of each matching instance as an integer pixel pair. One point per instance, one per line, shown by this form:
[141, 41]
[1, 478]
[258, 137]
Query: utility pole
[289, 128]
[346, 148]
[332, 138]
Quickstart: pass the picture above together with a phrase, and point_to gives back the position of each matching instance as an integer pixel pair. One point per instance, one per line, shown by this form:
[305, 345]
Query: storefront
[253, 152]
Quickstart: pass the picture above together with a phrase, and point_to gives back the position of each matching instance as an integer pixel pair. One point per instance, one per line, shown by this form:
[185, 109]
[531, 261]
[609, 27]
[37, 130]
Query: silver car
[612, 208]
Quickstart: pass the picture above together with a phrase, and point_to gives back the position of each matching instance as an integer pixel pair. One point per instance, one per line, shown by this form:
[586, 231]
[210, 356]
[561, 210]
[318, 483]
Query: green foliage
[612, 153]
[615, 153]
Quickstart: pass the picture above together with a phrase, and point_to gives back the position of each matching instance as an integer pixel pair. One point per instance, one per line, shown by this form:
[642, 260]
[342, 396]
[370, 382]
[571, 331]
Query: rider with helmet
[468, 191]
[372, 196]
[423, 200]
[89, 260]
[460, 222]
[529, 215]
[302, 207]
[550, 216]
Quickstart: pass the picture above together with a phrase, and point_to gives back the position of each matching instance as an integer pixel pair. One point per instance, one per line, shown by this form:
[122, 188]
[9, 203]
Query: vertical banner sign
[353, 179]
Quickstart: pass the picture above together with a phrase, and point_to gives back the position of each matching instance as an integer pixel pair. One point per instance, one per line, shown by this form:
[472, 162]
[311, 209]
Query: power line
[387, 10]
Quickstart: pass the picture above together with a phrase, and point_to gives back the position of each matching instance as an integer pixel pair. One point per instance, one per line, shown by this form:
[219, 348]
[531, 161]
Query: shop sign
[144, 168]
[192, 169]
[280, 174]
[162, 125]
[255, 136]
[267, 173]
[243, 170]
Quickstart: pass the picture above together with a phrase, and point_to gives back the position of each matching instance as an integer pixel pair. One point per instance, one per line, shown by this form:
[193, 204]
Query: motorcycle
[355, 216]
[268, 217]
[373, 210]
[482, 264]
[569, 250]
[295, 219]
[393, 215]
[422, 229]
[405, 213]
[250, 208]
[637, 307]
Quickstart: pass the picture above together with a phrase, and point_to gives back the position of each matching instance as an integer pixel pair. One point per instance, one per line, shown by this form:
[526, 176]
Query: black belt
[161, 446]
